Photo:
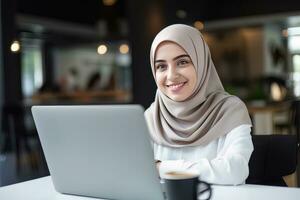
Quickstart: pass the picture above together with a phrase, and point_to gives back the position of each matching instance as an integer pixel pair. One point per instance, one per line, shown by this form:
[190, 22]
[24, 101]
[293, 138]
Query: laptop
[99, 151]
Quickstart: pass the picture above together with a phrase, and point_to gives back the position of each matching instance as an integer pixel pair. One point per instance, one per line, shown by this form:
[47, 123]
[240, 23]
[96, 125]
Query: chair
[274, 156]
[296, 118]
[292, 125]
[17, 136]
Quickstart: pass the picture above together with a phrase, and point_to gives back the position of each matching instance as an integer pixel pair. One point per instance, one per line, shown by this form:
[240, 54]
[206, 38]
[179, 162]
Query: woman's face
[175, 73]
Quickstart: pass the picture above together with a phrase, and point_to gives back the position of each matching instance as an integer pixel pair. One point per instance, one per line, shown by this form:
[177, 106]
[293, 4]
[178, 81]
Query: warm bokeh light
[199, 25]
[124, 49]
[109, 2]
[102, 49]
[277, 93]
[15, 46]
[181, 14]
[285, 33]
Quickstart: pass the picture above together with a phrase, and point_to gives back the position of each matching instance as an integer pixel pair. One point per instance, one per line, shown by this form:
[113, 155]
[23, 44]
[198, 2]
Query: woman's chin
[177, 97]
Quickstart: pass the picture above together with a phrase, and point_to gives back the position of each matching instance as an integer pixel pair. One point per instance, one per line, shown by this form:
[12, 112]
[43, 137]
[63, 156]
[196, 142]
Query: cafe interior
[96, 52]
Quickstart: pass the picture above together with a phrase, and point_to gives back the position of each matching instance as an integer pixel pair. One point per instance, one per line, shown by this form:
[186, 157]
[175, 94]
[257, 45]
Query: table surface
[42, 188]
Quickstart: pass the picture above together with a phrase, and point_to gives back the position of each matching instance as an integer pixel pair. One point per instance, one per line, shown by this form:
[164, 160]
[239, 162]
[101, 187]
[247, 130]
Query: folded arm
[229, 167]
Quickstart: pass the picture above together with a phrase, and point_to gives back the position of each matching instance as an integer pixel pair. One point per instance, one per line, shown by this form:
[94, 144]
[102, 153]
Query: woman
[194, 123]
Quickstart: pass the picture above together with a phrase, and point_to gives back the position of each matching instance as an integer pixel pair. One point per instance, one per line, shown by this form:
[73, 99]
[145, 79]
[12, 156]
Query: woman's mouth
[175, 87]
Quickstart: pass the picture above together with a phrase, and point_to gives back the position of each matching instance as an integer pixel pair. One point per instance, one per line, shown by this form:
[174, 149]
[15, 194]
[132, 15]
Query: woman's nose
[172, 73]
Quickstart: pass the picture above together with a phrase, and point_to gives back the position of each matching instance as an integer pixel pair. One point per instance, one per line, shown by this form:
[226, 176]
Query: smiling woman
[194, 124]
[174, 71]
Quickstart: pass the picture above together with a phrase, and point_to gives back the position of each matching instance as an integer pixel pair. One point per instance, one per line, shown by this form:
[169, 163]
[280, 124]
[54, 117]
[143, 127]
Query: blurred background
[97, 52]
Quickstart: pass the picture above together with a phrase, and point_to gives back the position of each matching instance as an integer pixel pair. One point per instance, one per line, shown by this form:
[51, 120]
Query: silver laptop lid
[98, 151]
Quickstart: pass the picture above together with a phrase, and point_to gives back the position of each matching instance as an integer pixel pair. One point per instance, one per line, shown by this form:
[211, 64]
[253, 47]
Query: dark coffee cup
[185, 186]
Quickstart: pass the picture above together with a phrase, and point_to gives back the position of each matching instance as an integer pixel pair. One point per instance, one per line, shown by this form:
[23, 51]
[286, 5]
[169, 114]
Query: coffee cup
[184, 185]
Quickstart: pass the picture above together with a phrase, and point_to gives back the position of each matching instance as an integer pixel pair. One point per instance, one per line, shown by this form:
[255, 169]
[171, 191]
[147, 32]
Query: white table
[42, 189]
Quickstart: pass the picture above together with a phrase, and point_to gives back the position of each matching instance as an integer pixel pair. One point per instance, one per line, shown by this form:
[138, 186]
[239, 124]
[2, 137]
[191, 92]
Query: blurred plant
[256, 92]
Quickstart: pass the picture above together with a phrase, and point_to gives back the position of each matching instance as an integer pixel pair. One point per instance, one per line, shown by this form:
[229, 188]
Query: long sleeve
[229, 165]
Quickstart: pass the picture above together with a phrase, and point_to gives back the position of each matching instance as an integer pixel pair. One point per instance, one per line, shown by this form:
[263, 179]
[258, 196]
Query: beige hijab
[208, 113]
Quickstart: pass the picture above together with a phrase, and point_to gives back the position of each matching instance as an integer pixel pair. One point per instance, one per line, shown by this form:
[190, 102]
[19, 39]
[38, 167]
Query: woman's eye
[161, 67]
[182, 62]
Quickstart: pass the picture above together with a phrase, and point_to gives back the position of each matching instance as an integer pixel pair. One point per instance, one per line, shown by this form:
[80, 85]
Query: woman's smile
[176, 87]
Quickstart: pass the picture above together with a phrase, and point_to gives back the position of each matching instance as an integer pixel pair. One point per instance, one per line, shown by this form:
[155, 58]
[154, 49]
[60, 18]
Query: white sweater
[222, 161]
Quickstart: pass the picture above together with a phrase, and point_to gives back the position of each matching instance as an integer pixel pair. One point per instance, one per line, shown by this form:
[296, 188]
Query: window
[296, 74]
[294, 48]
[32, 67]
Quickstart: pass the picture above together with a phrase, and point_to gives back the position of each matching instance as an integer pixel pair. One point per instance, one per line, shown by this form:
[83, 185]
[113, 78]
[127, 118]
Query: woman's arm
[231, 164]
[229, 167]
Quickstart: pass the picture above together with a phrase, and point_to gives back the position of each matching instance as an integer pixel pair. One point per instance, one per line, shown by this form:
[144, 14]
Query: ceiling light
[102, 49]
[199, 25]
[124, 49]
[15, 46]
[109, 2]
[181, 14]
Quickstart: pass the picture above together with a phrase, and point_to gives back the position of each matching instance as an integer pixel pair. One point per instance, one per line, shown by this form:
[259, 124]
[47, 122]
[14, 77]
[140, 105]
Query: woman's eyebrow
[181, 56]
[177, 57]
[156, 61]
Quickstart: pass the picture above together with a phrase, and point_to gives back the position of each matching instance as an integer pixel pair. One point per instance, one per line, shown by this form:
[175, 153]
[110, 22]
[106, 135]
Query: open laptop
[98, 151]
